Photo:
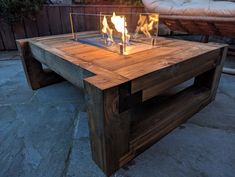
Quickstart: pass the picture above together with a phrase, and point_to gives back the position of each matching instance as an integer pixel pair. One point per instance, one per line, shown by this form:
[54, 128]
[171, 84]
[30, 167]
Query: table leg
[37, 77]
[210, 79]
[112, 140]
[109, 128]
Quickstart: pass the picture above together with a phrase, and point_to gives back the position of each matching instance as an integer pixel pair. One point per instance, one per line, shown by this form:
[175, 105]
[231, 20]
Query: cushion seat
[191, 7]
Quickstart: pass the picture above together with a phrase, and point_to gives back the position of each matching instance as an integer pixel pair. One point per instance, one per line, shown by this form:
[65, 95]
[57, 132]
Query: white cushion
[191, 7]
[222, 8]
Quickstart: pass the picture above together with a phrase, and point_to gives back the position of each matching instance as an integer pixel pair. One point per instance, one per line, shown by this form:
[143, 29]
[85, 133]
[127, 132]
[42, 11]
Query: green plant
[14, 10]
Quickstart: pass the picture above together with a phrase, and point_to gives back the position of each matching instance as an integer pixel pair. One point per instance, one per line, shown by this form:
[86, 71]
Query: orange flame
[146, 27]
[107, 30]
[120, 25]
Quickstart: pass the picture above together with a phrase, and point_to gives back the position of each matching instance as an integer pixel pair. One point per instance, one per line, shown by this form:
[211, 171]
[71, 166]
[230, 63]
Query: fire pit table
[126, 94]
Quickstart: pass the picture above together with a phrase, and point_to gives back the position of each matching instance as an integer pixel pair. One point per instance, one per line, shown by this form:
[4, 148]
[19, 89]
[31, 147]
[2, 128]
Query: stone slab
[44, 133]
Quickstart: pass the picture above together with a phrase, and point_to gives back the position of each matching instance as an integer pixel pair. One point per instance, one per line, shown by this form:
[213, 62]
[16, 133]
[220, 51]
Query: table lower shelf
[154, 119]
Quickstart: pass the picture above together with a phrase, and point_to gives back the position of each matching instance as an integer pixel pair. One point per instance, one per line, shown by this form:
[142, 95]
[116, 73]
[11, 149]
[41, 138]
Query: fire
[120, 26]
[146, 24]
[107, 30]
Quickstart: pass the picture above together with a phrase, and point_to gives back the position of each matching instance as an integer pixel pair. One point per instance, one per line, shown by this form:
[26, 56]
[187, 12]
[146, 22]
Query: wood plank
[71, 68]
[159, 88]
[43, 22]
[123, 62]
[91, 55]
[158, 62]
[65, 18]
[36, 76]
[91, 22]
[108, 128]
[64, 68]
[161, 119]
[7, 36]
[1, 43]
[54, 19]
[105, 9]
[218, 71]
[58, 42]
[31, 27]
[177, 50]
[19, 30]
[157, 119]
[79, 49]
[116, 62]
[78, 20]
[66, 37]
[183, 70]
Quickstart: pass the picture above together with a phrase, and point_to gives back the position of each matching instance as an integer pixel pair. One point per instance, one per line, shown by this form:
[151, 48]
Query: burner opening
[117, 32]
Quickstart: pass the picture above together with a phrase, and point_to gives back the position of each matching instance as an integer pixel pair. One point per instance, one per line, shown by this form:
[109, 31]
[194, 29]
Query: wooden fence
[52, 20]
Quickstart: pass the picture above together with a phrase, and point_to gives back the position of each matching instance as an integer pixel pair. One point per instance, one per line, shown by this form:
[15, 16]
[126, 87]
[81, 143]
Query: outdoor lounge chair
[203, 17]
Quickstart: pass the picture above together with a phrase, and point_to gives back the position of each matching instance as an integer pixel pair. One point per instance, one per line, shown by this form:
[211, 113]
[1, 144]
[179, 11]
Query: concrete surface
[44, 133]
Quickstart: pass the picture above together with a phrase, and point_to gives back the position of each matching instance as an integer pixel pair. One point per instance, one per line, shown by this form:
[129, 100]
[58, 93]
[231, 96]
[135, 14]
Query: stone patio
[44, 133]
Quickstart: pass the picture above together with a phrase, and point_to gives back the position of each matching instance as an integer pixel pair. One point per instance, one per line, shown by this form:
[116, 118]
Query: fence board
[135, 16]
[19, 30]
[91, 22]
[79, 21]
[65, 20]
[43, 22]
[31, 28]
[54, 19]
[7, 36]
[1, 43]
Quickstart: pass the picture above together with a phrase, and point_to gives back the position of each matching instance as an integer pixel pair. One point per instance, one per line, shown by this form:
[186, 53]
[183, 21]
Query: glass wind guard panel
[121, 33]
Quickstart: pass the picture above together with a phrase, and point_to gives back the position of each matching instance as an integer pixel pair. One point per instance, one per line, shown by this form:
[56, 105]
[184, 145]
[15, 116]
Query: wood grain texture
[65, 18]
[31, 28]
[19, 30]
[123, 68]
[109, 129]
[91, 22]
[54, 19]
[36, 76]
[218, 71]
[7, 36]
[43, 22]
[159, 119]
[174, 71]
[184, 72]
[2, 47]
[79, 20]
[121, 91]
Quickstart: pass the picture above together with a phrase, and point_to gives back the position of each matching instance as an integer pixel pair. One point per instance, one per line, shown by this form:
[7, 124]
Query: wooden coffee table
[127, 102]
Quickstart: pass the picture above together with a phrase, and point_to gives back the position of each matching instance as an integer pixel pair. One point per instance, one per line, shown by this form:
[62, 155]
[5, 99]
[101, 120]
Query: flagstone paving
[44, 133]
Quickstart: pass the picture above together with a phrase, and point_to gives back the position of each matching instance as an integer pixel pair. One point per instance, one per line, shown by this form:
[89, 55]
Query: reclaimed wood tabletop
[126, 112]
